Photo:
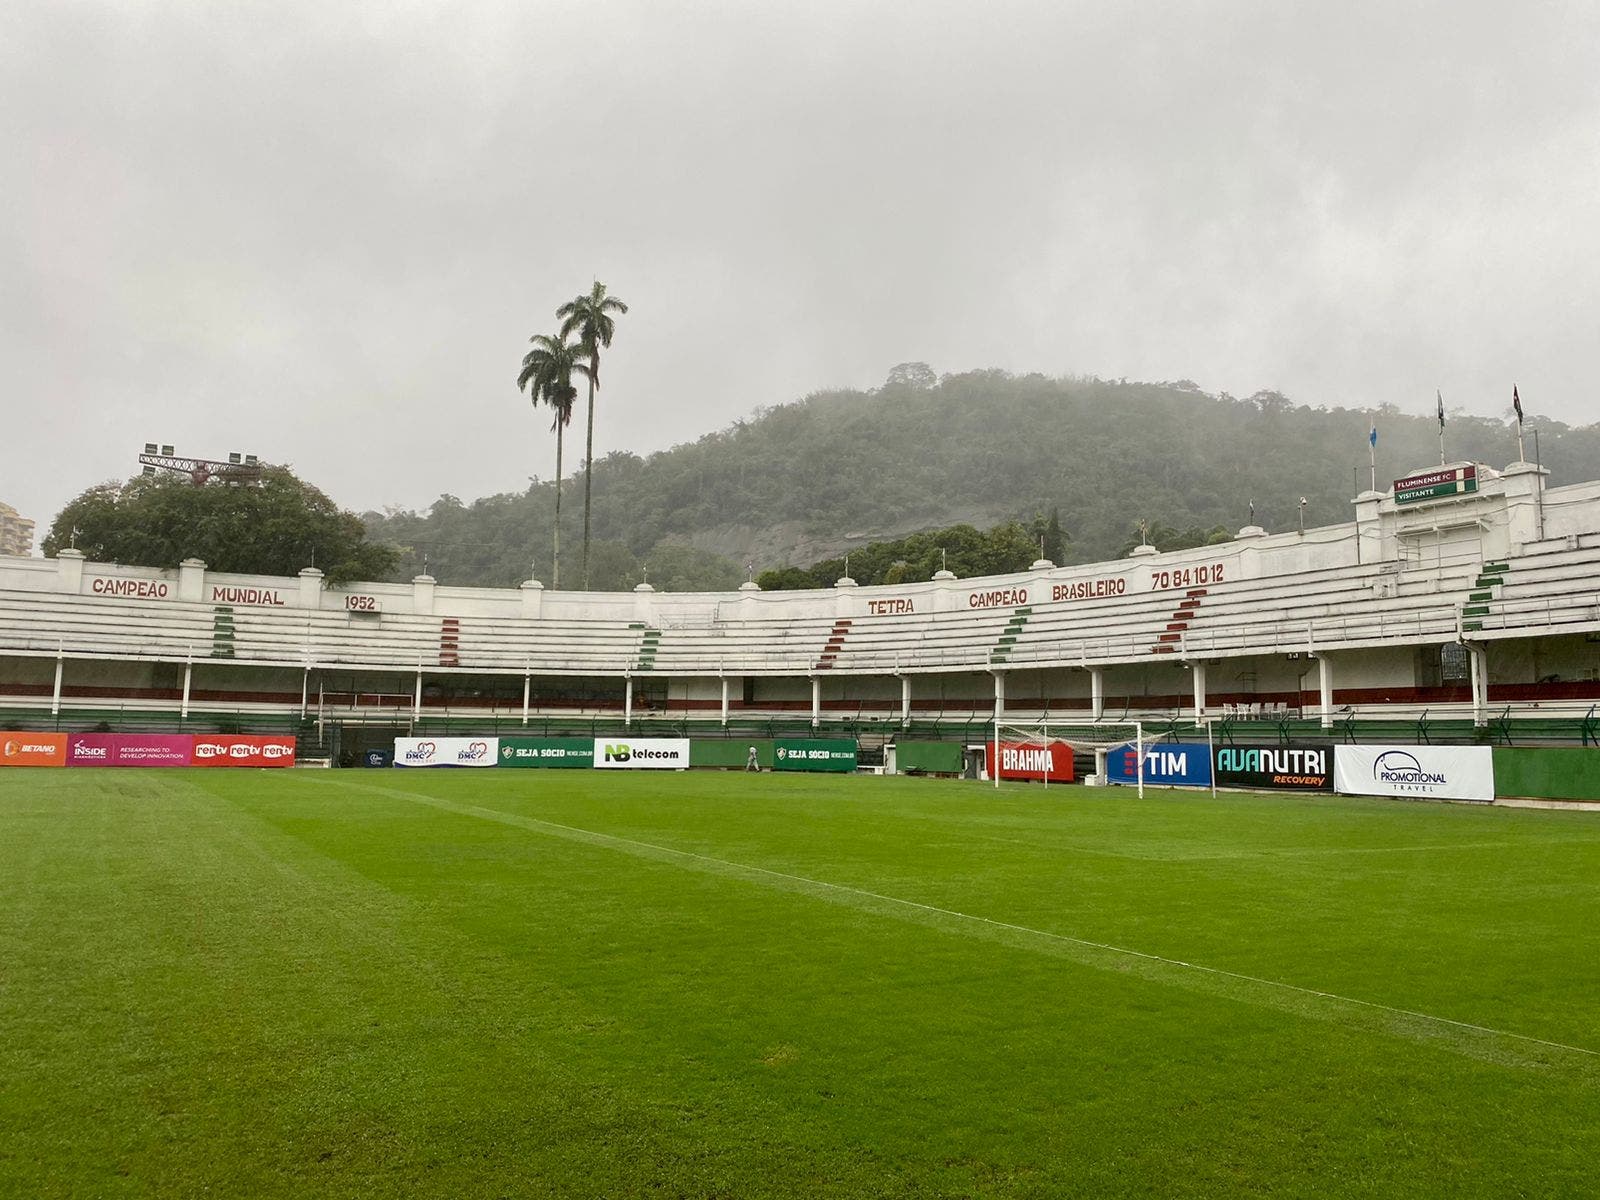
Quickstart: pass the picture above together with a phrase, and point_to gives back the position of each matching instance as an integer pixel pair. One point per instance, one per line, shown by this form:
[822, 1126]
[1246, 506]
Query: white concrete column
[816, 701]
[1325, 684]
[527, 686]
[1198, 669]
[305, 692]
[188, 677]
[905, 700]
[55, 694]
[69, 568]
[422, 594]
[627, 700]
[416, 700]
[532, 598]
[310, 587]
[192, 580]
[1097, 692]
[999, 696]
[1478, 657]
[724, 700]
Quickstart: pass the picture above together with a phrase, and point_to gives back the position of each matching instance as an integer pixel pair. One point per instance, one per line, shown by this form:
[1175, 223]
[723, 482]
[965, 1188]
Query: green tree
[546, 373]
[273, 528]
[590, 316]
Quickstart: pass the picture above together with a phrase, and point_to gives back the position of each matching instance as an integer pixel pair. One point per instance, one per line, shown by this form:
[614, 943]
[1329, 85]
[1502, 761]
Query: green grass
[518, 983]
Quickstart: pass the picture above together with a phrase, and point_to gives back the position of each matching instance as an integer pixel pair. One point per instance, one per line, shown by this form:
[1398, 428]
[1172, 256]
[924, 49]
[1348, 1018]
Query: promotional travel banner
[646, 754]
[33, 749]
[1431, 772]
[243, 750]
[445, 752]
[813, 754]
[1031, 760]
[1291, 768]
[561, 753]
[1166, 764]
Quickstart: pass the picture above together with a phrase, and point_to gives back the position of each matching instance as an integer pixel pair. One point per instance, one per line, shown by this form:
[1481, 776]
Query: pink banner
[178, 750]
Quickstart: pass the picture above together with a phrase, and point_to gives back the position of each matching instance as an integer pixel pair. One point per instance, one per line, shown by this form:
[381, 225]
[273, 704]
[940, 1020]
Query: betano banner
[1166, 764]
[1281, 768]
[1436, 772]
[445, 752]
[1031, 760]
[813, 754]
[546, 752]
[636, 754]
[33, 749]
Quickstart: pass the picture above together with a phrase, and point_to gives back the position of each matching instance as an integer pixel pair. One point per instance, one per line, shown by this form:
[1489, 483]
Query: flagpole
[1372, 456]
[1440, 395]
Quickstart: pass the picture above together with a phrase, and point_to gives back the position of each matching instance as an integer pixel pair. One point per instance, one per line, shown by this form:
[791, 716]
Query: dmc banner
[1291, 768]
[1166, 764]
[660, 754]
[242, 750]
[1438, 772]
[1031, 760]
[445, 752]
[813, 754]
[33, 749]
[546, 752]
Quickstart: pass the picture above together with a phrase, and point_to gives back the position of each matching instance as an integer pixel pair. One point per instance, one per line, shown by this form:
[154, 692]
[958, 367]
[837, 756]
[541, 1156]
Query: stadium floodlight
[1030, 745]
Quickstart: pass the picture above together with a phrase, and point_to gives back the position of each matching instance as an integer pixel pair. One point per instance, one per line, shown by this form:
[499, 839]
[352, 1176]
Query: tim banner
[1050, 761]
[33, 749]
[242, 750]
[445, 752]
[641, 754]
[1166, 764]
[1292, 768]
[1431, 772]
[546, 752]
[813, 754]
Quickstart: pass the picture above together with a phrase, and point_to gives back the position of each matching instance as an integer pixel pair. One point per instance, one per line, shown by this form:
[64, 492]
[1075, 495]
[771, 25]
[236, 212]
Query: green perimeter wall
[941, 757]
[729, 752]
[1556, 773]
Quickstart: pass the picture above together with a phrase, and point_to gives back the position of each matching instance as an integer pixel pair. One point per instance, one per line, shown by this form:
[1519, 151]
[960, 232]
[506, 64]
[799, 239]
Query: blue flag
[1372, 436]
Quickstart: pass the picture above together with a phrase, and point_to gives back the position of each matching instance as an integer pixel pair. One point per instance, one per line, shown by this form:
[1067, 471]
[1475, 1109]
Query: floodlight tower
[240, 468]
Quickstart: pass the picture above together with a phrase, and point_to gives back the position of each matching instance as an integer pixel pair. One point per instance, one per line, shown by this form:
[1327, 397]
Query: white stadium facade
[1462, 604]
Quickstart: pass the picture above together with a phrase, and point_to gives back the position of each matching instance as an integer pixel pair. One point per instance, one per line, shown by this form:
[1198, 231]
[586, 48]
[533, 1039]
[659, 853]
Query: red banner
[1031, 760]
[237, 750]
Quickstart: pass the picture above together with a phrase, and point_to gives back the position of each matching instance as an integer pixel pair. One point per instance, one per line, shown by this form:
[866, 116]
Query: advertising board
[1166, 764]
[1031, 760]
[243, 750]
[445, 752]
[561, 753]
[1291, 768]
[1430, 772]
[813, 754]
[33, 749]
[641, 754]
[149, 749]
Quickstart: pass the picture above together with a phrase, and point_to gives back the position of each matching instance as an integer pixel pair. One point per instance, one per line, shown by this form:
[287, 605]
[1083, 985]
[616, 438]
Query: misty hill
[810, 480]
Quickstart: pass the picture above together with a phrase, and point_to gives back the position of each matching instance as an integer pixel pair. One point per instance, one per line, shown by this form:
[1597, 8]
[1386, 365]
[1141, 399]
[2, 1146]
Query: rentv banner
[647, 754]
[546, 752]
[1031, 760]
[813, 754]
[242, 750]
[1283, 768]
[445, 752]
[1439, 772]
[1166, 764]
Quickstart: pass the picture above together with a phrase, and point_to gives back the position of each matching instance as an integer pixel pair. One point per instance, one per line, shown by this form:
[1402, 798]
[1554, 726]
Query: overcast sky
[323, 232]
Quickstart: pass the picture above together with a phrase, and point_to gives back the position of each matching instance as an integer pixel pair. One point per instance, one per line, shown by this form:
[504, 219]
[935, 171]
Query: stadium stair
[830, 651]
[1476, 606]
[648, 645]
[1167, 643]
[222, 631]
[450, 642]
[1008, 636]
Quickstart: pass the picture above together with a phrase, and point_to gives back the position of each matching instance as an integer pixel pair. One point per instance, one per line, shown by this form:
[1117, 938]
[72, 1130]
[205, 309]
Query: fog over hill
[813, 479]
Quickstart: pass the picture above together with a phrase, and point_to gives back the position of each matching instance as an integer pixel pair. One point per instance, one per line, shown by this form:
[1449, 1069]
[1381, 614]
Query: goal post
[1028, 750]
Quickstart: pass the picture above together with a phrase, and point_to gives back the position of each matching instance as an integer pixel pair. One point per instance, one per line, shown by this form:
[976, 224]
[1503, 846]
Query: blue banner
[1186, 764]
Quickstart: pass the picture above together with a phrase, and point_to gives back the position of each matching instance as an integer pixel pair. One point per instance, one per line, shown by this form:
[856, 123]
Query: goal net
[1043, 750]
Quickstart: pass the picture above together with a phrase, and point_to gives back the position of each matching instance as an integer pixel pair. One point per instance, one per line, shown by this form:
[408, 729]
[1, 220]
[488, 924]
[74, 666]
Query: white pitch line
[573, 832]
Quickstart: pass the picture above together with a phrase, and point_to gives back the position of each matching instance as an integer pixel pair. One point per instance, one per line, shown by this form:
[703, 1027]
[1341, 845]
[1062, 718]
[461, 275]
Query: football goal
[1043, 750]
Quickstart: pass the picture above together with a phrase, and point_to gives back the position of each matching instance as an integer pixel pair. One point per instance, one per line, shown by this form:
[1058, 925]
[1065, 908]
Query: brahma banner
[642, 754]
[1031, 760]
[446, 752]
[1432, 772]
[33, 749]
[1166, 764]
[236, 750]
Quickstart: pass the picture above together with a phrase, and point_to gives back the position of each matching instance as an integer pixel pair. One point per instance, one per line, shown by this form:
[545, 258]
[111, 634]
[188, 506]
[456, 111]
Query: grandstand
[1473, 612]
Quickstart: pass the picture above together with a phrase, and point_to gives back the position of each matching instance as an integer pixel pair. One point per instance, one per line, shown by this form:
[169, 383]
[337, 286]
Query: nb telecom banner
[445, 752]
[1439, 772]
[1280, 768]
[641, 754]
[33, 749]
[546, 752]
[813, 754]
[1031, 760]
[1166, 764]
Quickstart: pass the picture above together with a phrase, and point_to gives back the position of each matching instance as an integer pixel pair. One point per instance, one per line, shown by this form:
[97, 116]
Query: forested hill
[809, 480]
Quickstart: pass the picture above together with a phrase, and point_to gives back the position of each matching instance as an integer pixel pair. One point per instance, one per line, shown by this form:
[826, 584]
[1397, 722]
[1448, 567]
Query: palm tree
[590, 317]
[547, 372]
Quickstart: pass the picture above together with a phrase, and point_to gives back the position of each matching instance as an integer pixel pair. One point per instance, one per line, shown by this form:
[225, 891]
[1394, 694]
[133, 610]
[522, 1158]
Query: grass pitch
[510, 983]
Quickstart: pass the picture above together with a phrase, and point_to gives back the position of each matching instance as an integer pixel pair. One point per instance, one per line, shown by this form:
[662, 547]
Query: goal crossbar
[1031, 741]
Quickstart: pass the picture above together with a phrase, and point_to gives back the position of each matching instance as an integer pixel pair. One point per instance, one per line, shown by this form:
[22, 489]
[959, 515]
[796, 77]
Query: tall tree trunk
[588, 481]
[555, 567]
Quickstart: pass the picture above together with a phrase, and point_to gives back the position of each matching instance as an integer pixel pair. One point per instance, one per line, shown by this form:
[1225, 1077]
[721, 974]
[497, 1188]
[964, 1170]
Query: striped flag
[1441, 407]
[1516, 403]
